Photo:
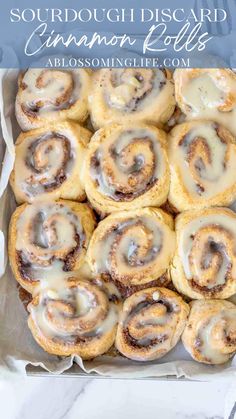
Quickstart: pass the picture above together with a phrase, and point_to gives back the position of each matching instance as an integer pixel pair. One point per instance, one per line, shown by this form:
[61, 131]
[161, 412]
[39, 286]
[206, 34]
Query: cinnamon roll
[126, 168]
[204, 265]
[131, 95]
[151, 324]
[202, 156]
[210, 333]
[52, 95]
[79, 320]
[48, 242]
[48, 163]
[132, 247]
[207, 94]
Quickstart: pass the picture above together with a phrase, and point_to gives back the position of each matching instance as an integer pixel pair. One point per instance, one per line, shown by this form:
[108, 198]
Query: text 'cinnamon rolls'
[151, 324]
[46, 95]
[133, 247]
[127, 168]
[49, 162]
[131, 95]
[210, 333]
[48, 241]
[79, 319]
[204, 265]
[202, 158]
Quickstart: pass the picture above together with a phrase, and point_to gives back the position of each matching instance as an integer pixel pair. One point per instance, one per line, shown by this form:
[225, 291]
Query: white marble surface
[76, 398]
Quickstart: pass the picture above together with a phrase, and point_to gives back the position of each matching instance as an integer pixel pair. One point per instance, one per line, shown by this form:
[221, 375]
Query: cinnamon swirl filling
[135, 94]
[126, 89]
[46, 90]
[210, 334]
[51, 94]
[129, 166]
[206, 254]
[208, 94]
[133, 247]
[49, 159]
[203, 163]
[50, 242]
[48, 163]
[126, 167]
[76, 319]
[151, 324]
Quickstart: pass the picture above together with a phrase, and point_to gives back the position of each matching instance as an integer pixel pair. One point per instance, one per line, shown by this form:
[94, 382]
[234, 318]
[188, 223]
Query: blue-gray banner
[122, 33]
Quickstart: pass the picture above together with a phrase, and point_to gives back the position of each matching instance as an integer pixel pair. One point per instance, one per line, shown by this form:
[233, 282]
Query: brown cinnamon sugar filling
[199, 157]
[135, 85]
[145, 342]
[208, 291]
[214, 254]
[25, 266]
[127, 290]
[37, 167]
[140, 175]
[150, 342]
[64, 99]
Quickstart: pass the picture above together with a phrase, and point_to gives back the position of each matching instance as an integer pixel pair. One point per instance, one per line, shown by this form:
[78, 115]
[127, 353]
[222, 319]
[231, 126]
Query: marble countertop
[82, 398]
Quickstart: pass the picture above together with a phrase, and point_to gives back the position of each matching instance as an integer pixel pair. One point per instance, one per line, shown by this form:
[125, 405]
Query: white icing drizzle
[67, 309]
[85, 272]
[151, 322]
[40, 160]
[186, 242]
[51, 277]
[211, 335]
[128, 161]
[144, 241]
[210, 174]
[50, 90]
[203, 94]
[45, 235]
[203, 97]
[90, 314]
[133, 89]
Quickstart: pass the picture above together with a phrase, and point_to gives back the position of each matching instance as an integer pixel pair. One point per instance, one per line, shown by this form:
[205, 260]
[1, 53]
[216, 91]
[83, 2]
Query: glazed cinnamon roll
[131, 95]
[48, 242]
[132, 247]
[52, 95]
[126, 168]
[48, 163]
[202, 156]
[207, 94]
[78, 319]
[151, 324]
[204, 265]
[210, 333]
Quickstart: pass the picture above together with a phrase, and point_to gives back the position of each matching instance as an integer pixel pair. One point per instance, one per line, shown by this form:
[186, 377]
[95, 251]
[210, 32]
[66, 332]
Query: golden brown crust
[127, 168]
[204, 263]
[133, 247]
[224, 79]
[88, 330]
[131, 253]
[210, 333]
[202, 157]
[22, 260]
[126, 291]
[151, 324]
[131, 95]
[34, 176]
[65, 96]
